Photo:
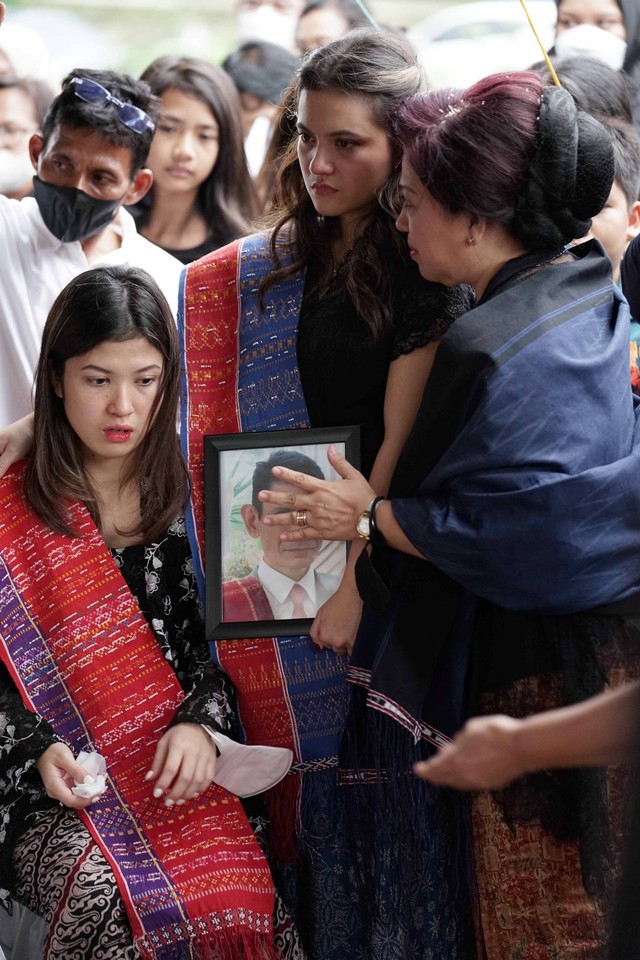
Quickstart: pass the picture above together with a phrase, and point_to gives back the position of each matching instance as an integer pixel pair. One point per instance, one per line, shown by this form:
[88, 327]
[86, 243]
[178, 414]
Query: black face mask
[69, 213]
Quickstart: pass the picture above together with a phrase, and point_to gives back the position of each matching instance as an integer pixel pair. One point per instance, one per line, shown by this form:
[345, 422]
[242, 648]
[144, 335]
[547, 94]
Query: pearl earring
[471, 241]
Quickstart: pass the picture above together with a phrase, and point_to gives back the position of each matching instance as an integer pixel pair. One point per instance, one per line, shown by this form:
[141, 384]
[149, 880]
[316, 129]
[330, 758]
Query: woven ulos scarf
[192, 877]
[240, 375]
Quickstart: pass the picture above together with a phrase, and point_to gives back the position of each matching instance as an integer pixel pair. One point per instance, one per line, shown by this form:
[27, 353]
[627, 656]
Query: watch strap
[373, 528]
[366, 524]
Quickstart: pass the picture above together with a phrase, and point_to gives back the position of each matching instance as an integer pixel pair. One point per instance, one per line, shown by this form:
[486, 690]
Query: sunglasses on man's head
[132, 117]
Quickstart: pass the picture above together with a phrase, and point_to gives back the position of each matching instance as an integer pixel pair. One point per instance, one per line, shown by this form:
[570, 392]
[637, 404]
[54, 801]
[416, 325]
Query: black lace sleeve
[24, 736]
[210, 701]
[424, 311]
[162, 578]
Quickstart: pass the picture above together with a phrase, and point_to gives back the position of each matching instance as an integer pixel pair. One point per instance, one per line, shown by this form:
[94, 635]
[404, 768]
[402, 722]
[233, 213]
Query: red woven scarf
[193, 878]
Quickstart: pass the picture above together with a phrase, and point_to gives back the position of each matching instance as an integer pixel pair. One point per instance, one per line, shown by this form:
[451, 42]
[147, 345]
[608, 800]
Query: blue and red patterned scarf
[240, 375]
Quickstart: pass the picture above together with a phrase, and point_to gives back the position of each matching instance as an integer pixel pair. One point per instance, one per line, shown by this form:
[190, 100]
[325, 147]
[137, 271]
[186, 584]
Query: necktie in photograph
[298, 595]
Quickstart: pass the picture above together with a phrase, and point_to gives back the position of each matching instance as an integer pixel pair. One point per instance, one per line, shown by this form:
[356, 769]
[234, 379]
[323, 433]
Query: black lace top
[161, 577]
[344, 371]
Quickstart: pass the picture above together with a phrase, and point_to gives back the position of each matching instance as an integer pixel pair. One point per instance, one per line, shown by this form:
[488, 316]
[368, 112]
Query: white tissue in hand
[94, 783]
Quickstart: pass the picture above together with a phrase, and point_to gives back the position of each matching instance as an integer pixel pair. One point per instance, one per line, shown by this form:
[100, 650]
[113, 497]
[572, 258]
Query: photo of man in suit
[284, 584]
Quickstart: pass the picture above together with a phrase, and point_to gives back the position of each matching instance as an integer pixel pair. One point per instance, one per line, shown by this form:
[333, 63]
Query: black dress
[344, 370]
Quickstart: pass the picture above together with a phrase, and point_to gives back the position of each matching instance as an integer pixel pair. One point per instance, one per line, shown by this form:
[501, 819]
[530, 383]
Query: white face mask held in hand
[590, 41]
[247, 769]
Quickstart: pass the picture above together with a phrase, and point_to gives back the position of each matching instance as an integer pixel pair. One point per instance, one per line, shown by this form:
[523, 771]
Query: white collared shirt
[34, 267]
[277, 587]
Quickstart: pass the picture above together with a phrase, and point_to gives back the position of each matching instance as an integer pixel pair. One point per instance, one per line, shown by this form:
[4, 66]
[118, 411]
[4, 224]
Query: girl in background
[202, 195]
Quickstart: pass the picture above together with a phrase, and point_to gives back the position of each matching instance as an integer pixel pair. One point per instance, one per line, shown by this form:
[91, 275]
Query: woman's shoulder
[225, 256]
[413, 292]
[253, 247]
[425, 309]
[12, 478]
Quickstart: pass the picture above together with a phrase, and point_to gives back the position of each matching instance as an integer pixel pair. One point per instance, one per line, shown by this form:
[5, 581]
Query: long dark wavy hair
[108, 303]
[382, 70]
[227, 198]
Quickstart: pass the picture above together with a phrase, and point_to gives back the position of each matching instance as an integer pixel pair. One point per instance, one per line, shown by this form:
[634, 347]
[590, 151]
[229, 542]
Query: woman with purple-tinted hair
[501, 575]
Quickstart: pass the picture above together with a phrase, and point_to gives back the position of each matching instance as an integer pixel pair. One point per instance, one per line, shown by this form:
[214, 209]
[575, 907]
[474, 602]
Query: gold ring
[301, 518]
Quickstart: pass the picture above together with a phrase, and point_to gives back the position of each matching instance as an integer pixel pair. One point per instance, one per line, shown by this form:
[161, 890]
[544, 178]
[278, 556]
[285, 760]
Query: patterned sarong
[192, 877]
[241, 375]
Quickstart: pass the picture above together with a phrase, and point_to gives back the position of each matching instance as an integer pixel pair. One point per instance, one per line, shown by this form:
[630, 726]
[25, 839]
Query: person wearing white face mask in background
[24, 53]
[23, 104]
[272, 20]
[606, 29]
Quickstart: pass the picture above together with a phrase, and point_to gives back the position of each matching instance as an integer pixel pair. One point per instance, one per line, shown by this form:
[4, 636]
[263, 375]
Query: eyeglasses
[12, 134]
[132, 117]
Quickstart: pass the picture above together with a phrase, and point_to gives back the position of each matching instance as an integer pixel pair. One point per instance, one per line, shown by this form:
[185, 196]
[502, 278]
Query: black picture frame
[227, 463]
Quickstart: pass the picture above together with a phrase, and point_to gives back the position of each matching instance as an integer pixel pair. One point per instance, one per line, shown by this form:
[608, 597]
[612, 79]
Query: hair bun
[576, 155]
[595, 167]
[570, 174]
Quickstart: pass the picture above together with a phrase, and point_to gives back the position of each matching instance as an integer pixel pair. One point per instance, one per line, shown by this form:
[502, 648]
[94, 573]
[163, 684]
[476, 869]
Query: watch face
[363, 526]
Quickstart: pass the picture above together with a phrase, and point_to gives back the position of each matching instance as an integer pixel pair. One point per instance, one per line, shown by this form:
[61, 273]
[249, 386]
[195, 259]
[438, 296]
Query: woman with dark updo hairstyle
[502, 576]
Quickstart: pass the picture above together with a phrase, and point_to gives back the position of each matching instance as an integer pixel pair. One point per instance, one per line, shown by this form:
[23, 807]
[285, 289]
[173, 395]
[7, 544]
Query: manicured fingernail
[169, 802]
[157, 792]
[148, 775]
[180, 802]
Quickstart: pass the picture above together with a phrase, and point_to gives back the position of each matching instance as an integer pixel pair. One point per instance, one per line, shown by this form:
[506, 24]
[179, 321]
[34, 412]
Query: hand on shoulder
[16, 440]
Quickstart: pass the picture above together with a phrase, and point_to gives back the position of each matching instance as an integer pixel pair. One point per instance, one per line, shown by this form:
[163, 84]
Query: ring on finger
[301, 518]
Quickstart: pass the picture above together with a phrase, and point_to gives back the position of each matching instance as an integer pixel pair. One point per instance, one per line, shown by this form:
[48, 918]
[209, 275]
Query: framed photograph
[256, 584]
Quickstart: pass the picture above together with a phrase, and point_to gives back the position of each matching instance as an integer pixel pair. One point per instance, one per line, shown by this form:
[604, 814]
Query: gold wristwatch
[366, 522]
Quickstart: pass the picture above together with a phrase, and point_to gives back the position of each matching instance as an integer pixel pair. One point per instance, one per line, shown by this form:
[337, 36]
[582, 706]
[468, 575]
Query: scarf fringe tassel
[208, 938]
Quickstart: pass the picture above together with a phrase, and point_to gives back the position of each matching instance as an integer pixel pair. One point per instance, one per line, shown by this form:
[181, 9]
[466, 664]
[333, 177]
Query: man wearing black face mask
[89, 162]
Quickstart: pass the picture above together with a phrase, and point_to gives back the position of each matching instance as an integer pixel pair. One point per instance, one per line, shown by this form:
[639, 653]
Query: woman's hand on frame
[320, 509]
